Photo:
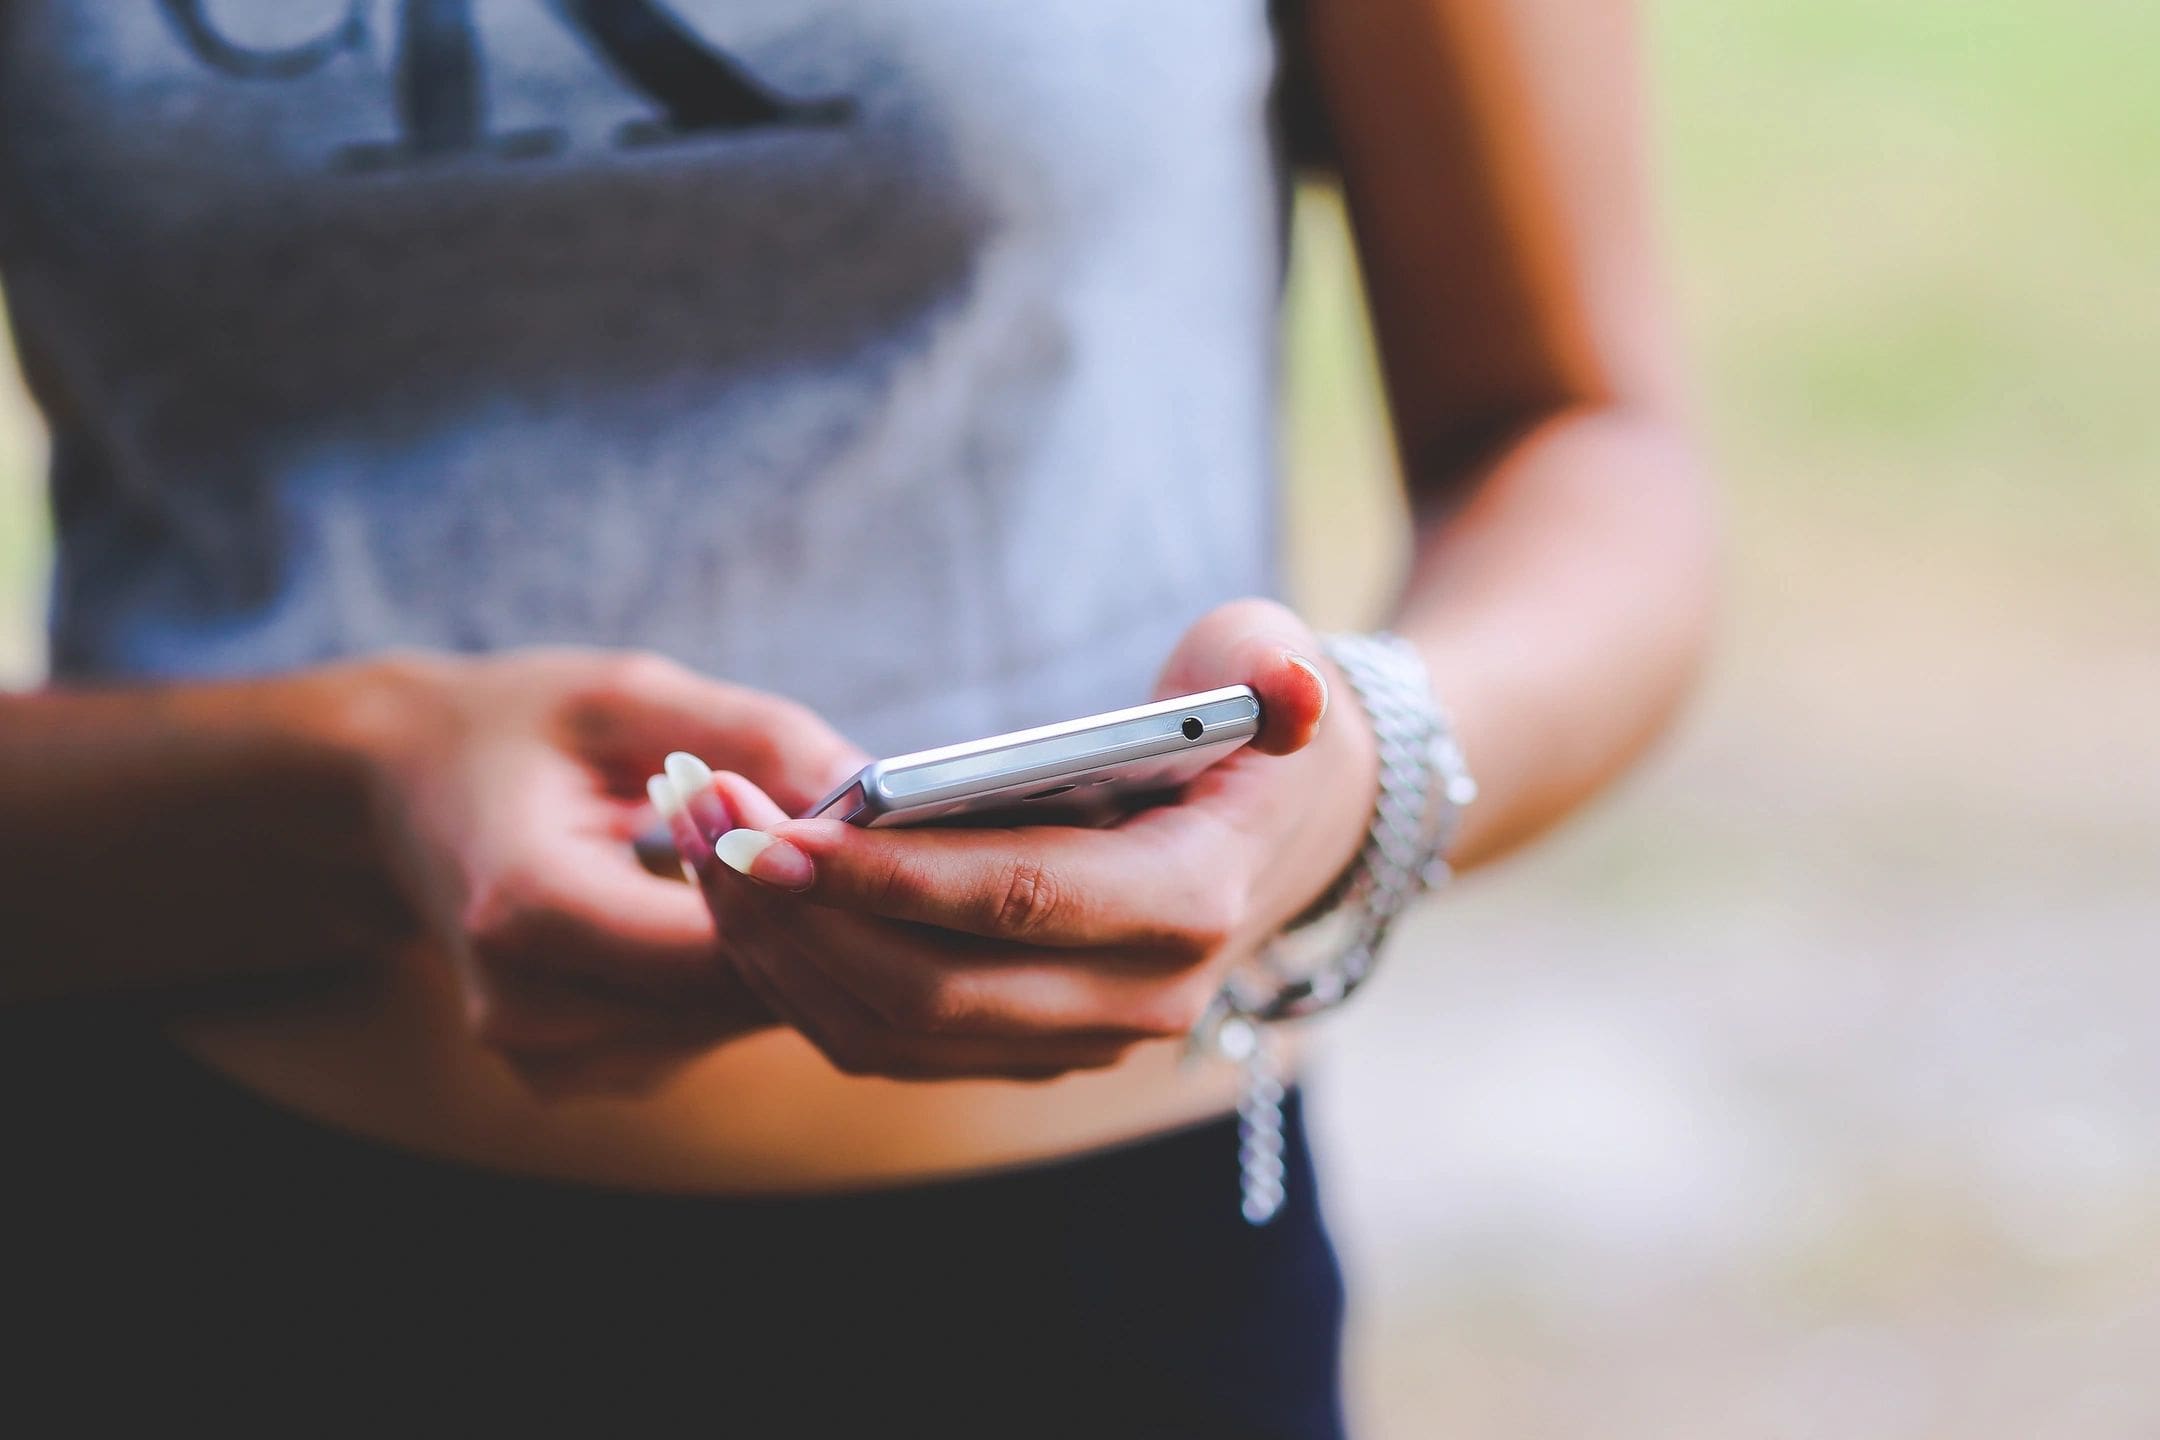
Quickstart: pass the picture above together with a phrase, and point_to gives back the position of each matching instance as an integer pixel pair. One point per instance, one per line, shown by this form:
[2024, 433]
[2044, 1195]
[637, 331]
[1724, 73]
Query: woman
[899, 373]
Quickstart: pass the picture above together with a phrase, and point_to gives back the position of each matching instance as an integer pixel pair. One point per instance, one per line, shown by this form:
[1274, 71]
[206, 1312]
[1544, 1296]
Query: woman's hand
[518, 783]
[1029, 952]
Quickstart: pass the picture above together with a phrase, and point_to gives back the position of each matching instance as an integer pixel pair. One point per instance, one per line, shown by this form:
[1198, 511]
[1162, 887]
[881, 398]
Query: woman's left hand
[1029, 952]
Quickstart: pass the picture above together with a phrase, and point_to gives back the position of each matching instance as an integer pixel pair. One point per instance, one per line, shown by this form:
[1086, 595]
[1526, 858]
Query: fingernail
[766, 858]
[1313, 670]
[693, 781]
[689, 845]
[689, 773]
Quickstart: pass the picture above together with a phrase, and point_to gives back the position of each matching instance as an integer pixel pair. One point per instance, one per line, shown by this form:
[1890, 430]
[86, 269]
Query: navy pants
[207, 1255]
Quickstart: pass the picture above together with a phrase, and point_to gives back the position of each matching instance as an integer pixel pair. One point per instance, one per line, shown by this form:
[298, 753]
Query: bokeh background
[1804, 1087]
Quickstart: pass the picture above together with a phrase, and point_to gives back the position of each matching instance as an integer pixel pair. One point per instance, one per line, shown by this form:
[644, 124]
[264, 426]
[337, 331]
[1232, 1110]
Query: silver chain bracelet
[1425, 784]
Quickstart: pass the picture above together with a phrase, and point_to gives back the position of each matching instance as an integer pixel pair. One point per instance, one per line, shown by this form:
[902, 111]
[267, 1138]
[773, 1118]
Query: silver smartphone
[1077, 771]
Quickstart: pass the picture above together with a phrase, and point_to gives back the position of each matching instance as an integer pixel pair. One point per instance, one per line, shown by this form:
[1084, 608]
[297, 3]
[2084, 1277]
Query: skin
[1030, 953]
[397, 893]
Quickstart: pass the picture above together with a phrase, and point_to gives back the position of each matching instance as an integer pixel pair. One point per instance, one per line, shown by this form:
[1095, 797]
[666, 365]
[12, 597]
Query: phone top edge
[1176, 704]
[1140, 733]
[1229, 713]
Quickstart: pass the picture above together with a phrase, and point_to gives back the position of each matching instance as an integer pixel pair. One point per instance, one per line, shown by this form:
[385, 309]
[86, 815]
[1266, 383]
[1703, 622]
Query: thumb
[1264, 645]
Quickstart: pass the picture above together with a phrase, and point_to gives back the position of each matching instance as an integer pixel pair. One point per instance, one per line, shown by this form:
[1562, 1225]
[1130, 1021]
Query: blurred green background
[1803, 1088]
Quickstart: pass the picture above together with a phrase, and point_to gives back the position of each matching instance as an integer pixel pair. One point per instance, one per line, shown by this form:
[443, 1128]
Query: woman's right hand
[516, 784]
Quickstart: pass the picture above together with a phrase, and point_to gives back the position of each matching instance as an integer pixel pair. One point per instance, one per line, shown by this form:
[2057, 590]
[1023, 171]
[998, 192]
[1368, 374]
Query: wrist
[345, 743]
[1357, 743]
[240, 822]
[1348, 753]
[1422, 787]
[372, 718]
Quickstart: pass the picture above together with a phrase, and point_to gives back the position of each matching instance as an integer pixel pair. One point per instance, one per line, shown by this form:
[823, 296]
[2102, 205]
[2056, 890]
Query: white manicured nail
[740, 848]
[661, 791]
[766, 858]
[691, 775]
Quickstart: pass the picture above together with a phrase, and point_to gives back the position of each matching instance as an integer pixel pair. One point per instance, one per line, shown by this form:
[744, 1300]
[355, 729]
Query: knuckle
[862, 1061]
[497, 917]
[1195, 999]
[1102, 1057]
[1020, 1074]
[851, 1049]
[543, 1079]
[773, 735]
[1111, 1055]
[515, 921]
[756, 749]
[492, 1023]
[635, 674]
[1030, 900]
[517, 1031]
[849, 1060]
[601, 690]
[1219, 916]
[1175, 1009]
[895, 887]
[928, 1006]
[1228, 905]
[1208, 917]
[785, 722]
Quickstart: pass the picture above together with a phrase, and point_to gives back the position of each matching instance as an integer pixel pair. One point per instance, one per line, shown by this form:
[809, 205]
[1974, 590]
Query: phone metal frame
[1076, 768]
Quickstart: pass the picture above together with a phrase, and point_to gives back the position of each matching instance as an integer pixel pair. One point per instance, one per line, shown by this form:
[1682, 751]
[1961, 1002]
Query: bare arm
[161, 835]
[168, 835]
[1492, 153]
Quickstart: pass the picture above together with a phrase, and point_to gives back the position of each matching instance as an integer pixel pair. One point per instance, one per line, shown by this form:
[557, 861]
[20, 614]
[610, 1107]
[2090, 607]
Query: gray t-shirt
[913, 358]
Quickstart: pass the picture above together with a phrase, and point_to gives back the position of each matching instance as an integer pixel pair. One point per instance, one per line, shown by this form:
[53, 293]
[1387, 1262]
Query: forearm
[1563, 611]
[163, 835]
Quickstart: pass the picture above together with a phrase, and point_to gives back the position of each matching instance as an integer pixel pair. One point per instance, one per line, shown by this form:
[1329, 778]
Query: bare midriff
[393, 1061]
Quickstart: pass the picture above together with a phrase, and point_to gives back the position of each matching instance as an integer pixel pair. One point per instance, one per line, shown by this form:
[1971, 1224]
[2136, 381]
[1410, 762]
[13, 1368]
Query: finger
[654, 707]
[589, 909]
[748, 952]
[1167, 887]
[693, 809]
[918, 980]
[749, 802]
[1264, 645]
[834, 1020]
[780, 1005]
[756, 812]
[857, 1038]
[687, 855]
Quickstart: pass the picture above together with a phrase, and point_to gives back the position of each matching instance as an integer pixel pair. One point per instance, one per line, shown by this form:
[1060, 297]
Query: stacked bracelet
[1425, 784]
